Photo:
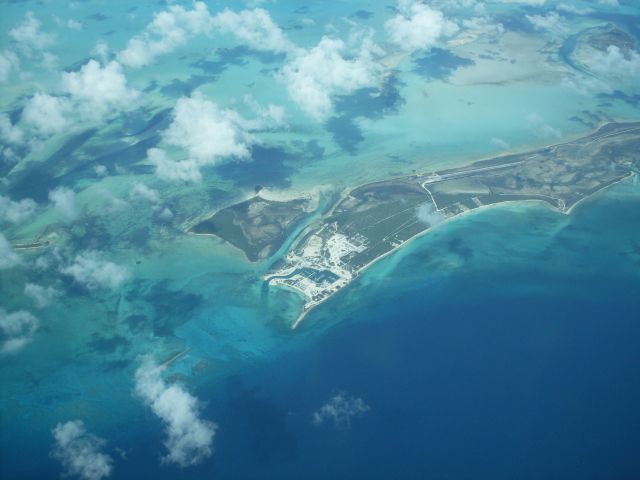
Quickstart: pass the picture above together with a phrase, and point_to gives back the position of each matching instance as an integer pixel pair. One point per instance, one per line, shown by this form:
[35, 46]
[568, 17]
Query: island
[257, 226]
[580, 49]
[373, 220]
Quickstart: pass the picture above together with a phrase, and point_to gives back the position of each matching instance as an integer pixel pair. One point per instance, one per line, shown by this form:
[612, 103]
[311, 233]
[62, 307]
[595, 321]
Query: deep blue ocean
[504, 373]
[504, 344]
[527, 367]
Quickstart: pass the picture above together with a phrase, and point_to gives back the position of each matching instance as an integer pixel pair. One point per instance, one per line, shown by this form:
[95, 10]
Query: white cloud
[189, 438]
[313, 75]
[428, 214]
[173, 170]
[586, 85]
[540, 128]
[93, 272]
[109, 203]
[565, 7]
[99, 90]
[339, 410]
[64, 201]
[8, 258]
[609, 3]
[255, 28]
[8, 63]
[93, 92]
[80, 452]
[209, 134]
[16, 330]
[139, 191]
[418, 27]
[47, 114]
[271, 117]
[28, 33]
[500, 143]
[482, 25]
[9, 133]
[166, 214]
[49, 61]
[523, 2]
[101, 50]
[16, 212]
[615, 64]
[74, 24]
[551, 22]
[42, 296]
[48, 259]
[169, 30]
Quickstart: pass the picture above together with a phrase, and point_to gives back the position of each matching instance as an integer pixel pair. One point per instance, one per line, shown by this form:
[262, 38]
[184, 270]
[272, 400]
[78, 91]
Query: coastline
[526, 202]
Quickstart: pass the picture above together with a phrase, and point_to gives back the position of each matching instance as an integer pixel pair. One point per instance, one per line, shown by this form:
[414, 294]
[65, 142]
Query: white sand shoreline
[526, 202]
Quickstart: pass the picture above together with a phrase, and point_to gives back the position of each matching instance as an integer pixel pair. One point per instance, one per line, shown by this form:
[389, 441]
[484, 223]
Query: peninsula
[258, 226]
[373, 220]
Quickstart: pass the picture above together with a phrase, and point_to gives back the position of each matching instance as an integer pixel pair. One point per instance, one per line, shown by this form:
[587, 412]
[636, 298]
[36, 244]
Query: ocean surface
[501, 345]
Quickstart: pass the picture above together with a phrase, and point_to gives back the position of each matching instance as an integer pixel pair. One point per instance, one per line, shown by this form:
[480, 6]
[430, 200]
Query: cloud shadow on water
[172, 307]
[212, 69]
[270, 166]
[39, 177]
[265, 421]
[439, 64]
[372, 103]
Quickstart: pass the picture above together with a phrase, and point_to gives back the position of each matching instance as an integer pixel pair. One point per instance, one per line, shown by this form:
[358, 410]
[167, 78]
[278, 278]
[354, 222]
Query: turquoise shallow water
[470, 346]
[501, 345]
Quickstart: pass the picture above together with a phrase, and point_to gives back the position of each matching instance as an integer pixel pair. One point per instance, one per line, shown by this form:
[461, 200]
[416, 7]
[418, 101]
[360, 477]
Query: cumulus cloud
[207, 132]
[8, 258]
[538, 3]
[428, 214]
[166, 214]
[173, 170]
[74, 24]
[168, 30]
[9, 133]
[418, 27]
[109, 203]
[209, 135]
[28, 34]
[47, 114]
[255, 28]
[585, 84]
[16, 212]
[16, 330]
[189, 438]
[340, 410]
[271, 117]
[64, 201]
[139, 191]
[173, 27]
[566, 7]
[101, 51]
[90, 270]
[42, 296]
[500, 143]
[80, 452]
[615, 64]
[8, 63]
[98, 90]
[550, 22]
[92, 93]
[540, 127]
[312, 76]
